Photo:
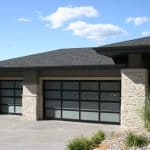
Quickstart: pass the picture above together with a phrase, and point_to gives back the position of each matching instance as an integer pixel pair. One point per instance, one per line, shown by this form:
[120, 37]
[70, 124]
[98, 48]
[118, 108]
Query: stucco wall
[134, 89]
[75, 72]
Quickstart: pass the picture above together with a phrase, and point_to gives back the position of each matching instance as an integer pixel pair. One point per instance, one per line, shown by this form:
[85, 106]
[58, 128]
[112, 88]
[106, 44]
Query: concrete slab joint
[134, 90]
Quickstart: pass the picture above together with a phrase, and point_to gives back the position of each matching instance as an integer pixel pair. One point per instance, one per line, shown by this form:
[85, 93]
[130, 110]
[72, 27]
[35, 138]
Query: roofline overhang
[123, 50]
[64, 67]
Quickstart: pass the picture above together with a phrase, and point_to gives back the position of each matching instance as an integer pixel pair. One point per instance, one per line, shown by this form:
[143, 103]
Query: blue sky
[33, 26]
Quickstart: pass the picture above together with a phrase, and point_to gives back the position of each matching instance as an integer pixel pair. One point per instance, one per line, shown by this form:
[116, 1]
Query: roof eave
[122, 50]
[65, 67]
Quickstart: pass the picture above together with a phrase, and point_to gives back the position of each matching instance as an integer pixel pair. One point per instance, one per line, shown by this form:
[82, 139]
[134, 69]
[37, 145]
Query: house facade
[107, 84]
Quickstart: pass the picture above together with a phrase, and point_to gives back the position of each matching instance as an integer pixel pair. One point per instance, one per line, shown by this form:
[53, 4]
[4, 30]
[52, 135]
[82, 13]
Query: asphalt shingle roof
[98, 56]
[132, 46]
[145, 41]
[58, 58]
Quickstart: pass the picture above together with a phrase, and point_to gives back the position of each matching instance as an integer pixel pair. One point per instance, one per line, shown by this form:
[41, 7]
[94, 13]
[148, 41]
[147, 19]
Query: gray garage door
[10, 96]
[92, 101]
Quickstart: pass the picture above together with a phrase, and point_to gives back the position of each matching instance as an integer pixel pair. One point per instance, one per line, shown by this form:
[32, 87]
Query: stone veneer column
[134, 90]
[30, 95]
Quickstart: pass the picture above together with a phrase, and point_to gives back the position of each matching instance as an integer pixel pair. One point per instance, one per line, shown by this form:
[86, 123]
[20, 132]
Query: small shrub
[81, 143]
[97, 138]
[133, 140]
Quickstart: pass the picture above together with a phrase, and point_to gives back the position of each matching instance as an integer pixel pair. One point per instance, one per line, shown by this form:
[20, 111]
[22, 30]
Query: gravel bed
[116, 141]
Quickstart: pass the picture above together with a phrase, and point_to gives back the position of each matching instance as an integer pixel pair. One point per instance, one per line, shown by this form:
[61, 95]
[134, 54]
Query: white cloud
[95, 32]
[64, 14]
[137, 20]
[24, 20]
[146, 33]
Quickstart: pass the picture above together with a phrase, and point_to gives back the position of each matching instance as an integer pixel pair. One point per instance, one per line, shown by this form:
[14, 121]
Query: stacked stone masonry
[134, 90]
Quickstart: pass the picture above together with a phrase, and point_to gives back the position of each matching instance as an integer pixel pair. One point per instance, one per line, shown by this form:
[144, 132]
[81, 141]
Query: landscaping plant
[97, 138]
[84, 143]
[133, 140]
[81, 143]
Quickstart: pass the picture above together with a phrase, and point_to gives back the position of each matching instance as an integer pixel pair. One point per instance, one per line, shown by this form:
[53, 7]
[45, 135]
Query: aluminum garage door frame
[11, 96]
[103, 115]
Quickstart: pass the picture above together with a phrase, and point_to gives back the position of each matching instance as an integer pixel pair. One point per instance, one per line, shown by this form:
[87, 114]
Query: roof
[140, 45]
[60, 58]
[135, 42]
[80, 57]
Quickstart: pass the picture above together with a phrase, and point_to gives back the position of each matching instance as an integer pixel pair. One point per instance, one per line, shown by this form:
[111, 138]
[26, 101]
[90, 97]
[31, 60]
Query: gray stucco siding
[63, 72]
[81, 73]
[10, 74]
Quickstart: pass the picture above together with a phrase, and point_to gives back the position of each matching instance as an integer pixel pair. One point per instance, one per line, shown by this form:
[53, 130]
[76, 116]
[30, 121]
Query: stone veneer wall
[134, 89]
[30, 96]
[29, 107]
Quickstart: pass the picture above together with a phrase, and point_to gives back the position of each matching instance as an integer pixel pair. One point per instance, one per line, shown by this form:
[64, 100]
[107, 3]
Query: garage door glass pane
[7, 109]
[68, 85]
[68, 95]
[18, 109]
[4, 109]
[18, 101]
[89, 116]
[52, 114]
[52, 85]
[53, 94]
[89, 85]
[11, 109]
[110, 117]
[110, 96]
[70, 105]
[110, 86]
[7, 92]
[113, 107]
[7, 84]
[18, 92]
[89, 95]
[53, 104]
[89, 106]
[6, 100]
[70, 114]
[18, 84]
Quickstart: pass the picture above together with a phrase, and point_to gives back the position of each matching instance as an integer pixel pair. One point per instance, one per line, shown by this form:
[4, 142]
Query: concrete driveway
[16, 134]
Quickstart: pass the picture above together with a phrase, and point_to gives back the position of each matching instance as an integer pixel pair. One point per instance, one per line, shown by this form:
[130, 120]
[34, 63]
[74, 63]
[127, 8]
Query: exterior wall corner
[134, 88]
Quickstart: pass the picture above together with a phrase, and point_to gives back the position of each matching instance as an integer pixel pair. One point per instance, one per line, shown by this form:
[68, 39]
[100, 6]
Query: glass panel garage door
[10, 96]
[93, 101]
